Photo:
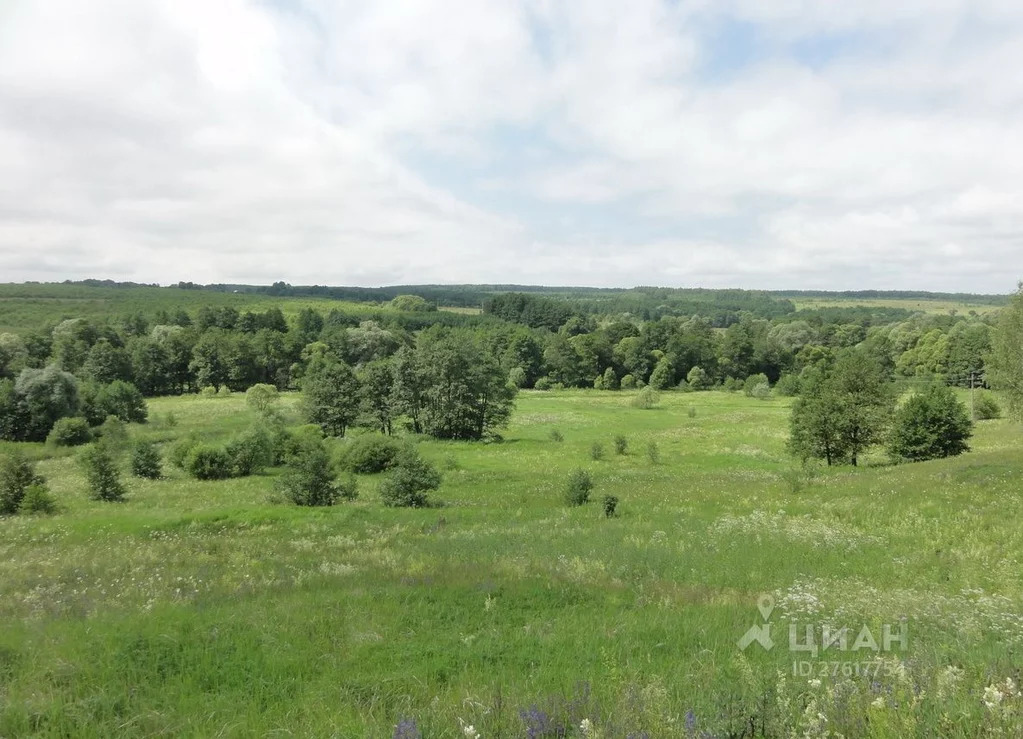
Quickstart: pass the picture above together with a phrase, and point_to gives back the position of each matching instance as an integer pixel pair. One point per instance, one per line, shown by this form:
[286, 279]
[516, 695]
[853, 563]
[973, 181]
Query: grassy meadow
[203, 609]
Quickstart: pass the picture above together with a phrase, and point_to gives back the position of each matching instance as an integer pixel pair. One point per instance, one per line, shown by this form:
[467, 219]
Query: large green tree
[330, 395]
[1005, 364]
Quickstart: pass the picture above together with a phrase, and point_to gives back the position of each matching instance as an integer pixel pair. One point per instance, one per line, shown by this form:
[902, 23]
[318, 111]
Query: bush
[628, 382]
[757, 386]
[544, 383]
[70, 432]
[210, 391]
[731, 384]
[931, 425]
[555, 435]
[102, 474]
[170, 420]
[653, 452]
[180, 450]
[208, 462]
[577, 490]
[251, 452]
[17, 475]
[621, 444]
[610, 379]
[610, 505]
[145, 460]
[370, 453]
[38, 499]
[262, 398]
[309, 477]
[597, 451]
[517, 377]
[985, 406]
[691, 411]
[114, 433]
[409, 481]
[646, 398]
[122, 399]
[788, 385]
[697, 379]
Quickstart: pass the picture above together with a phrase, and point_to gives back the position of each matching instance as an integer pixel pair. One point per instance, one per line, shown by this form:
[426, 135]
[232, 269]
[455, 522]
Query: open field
[910, 304]
[200, 608]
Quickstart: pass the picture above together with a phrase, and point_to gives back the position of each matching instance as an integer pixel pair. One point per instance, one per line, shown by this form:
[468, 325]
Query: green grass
[910, 304]
[199, 608]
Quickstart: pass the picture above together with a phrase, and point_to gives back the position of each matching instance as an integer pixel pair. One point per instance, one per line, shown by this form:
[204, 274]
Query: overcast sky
[719, 143]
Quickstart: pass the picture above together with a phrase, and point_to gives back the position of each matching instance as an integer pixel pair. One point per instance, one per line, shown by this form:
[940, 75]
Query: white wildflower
[815, 683]
[992, 696]
[586, 727]
[878, 702]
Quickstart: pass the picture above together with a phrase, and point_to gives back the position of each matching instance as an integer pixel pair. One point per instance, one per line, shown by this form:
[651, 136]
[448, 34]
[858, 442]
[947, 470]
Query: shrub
[262, 397]
[653, 452]
[577, 490]
[38, 500]
[170, 420]
[114, 433]
[121, 399]
[555, 435]
[70, 432]
[17, 475]
[597, 451]
[788, 385]
[757, 386]
[610, 379]
[931, 425]
[544, 383]
[517, 377]
[102, 474]
[691, 411]
[145, 460]
[646, 398]
[610, 505]
[251, 451]
[409, 481]
[210, 391]
[309, 479]
[985, 406]
[224, 392]
[180, 450]
[628, 382]
[731, 384]
[208, 462]
[697, 379]
[370, 453]
[621, 444]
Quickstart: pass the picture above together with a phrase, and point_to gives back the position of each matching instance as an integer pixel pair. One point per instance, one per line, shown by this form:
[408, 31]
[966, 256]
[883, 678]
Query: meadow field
[205, 609]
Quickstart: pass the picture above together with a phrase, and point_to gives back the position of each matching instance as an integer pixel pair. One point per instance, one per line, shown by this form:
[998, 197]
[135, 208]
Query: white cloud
[428, 141]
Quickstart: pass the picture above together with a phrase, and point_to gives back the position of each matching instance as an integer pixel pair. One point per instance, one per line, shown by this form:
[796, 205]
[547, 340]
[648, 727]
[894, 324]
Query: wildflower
[469, 731]
[878, 702]
[992, 696]
[815, 683]
[586, 727]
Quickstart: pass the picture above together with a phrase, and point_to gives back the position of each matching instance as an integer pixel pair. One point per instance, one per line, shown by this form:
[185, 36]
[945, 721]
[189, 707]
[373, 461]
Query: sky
[769, 144]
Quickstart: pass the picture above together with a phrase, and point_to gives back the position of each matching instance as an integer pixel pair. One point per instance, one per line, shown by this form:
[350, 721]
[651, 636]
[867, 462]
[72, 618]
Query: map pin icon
[765, 604]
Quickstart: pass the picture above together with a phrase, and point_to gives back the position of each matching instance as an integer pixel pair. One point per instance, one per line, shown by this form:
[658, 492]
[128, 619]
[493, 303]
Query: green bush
[610, 505]
[102, 474]
[208, 462]
[38, 500]
[788, 385]
[114, 433]
[646, 398]
[251, 451]
[628, 382]
[70, 432]
[653, 452]
[757, 386]
[731, 384]
[517, 377]
[309, 477]
[145, 460]
[180, 450]
[930, 425]
[621, 444]
[555, 435]
[985, 406]
[577, 490]
[17, 475]
[597, 451]
[262, 398]
[370, 453]
[409, 481]
[544, 383]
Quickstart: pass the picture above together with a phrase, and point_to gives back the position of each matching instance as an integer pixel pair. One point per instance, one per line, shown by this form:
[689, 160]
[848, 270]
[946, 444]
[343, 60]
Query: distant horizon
[907, 293]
